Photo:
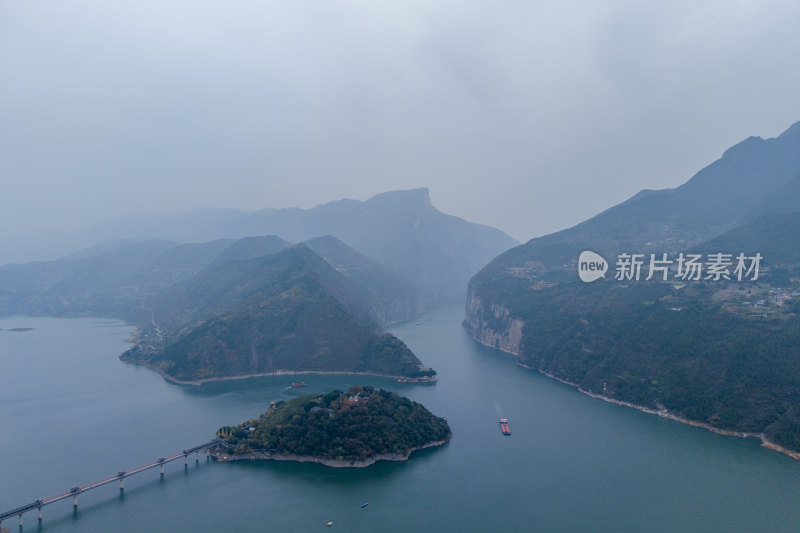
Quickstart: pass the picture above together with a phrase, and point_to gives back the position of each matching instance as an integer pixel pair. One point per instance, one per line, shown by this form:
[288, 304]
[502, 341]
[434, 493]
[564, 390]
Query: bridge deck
[19, 511]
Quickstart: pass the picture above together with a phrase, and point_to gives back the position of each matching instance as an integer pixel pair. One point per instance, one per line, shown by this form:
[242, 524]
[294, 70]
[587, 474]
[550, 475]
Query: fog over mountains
[396, 240]
[753, 178]
[401, 230]
[244, 300]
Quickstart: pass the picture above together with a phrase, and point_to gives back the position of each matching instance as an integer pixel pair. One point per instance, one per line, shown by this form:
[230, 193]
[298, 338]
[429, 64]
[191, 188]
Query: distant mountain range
[93, 282]
[199, 307]
[427, 257]
[722, 354]
[237, 306]
[401, 230]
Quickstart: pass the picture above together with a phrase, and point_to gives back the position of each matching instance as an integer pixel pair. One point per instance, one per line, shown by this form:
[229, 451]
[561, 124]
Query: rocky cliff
[493, 325]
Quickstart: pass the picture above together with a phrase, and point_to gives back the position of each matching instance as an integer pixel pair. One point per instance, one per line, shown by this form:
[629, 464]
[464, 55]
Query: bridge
[118, 477]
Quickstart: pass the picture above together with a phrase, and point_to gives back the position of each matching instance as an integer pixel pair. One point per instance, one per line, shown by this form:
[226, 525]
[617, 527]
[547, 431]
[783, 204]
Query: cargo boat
[504, 427]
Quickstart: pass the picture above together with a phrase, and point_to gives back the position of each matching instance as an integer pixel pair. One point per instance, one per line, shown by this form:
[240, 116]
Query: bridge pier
[20, 519]
[122, 484]
[162, 469]
[75, 501]
[40, 514]
[185, 460]
[197, 456]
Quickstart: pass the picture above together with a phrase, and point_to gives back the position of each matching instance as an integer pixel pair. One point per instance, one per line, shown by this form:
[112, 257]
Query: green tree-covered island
[343, 429]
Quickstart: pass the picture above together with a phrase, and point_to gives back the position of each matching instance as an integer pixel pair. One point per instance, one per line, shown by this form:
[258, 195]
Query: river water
[72, 413]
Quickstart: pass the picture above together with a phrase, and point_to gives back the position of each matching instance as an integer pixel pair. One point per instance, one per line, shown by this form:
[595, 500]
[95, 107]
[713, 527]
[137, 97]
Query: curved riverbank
[261, 455]
[664, 413]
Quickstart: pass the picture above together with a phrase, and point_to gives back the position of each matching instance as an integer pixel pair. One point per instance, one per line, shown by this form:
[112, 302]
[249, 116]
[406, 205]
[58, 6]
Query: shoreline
[263, 374]
[334, 463]
[664, 413]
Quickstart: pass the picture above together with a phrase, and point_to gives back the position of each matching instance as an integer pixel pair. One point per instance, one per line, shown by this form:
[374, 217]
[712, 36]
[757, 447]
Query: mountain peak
[420, 196]
[792, 131]
[742, 147]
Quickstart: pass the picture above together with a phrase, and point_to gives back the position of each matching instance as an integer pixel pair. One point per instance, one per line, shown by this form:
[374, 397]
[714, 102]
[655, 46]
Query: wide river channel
[72, 413]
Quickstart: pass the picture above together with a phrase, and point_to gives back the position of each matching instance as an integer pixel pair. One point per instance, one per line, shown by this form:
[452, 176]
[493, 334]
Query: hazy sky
[528, 116]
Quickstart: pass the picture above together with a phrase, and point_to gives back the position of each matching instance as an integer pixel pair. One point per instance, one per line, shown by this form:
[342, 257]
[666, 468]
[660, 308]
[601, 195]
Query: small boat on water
[364, 505]
[504, 427]
[297, 385]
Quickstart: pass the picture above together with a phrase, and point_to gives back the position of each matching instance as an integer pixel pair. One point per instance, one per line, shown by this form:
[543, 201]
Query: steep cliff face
[493, 325]
[390, 312]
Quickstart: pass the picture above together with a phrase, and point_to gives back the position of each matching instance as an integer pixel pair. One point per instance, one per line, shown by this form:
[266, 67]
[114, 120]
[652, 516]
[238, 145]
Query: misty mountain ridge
[753, 178]
[218, 288]
[249, 248]
[82, 273]
[775, 236]
[401, 230]
[115, 279]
